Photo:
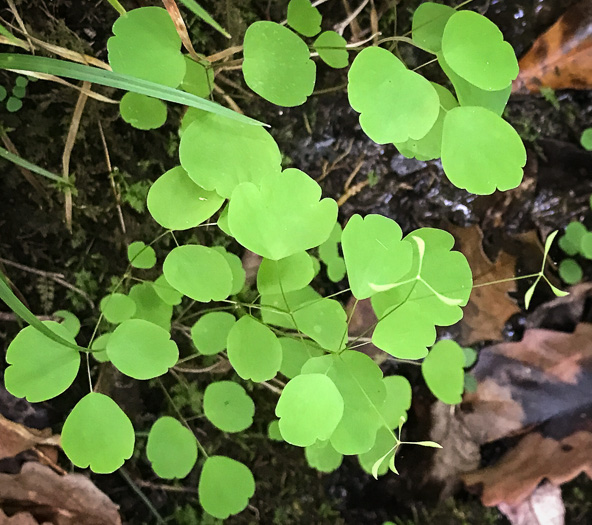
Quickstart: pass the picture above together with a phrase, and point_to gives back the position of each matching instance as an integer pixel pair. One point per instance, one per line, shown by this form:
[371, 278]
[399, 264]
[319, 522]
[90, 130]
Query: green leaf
[228, 407]
[62, 68]
[325, 322]
[304, 18]
[282, 216]
[166, 292]
[14, 303]
[428, 25]
[296, 352]
[379, 86]
[556, 291]
[198, 272]
[323, 457]
[253, 350]
[143, 112]
[285, 275]
[145, 37]
[41, 368]
[171, 448]
[359, 381]
[570, 271]
[470, 357]
[289, 302]
[548, 243]
[200, 12]
[140, 255]
[397, 401]
[236, 267]
[219, 154]
[331, 48]
[210, 332]
[375, 256]
[309, 409]
[375, 461]
[117, 308]
[141, 350]
[430, 146]
[99, 346]
[431, 444]
[273, 431]
[481, 152]
[570, 242]
[13, 104]
[199, 77]
[225, 486]
[475, 49]
[586, 245]
[177, 203]
[277, 64]
[586, 139]
[443, 371]
[470, 95]
[69, 321]
[149, 305]
[98, 434]
[329, 254]
[529, 293]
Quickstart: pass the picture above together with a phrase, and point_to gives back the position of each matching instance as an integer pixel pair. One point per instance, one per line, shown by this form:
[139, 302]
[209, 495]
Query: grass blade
[200, 12]
[62, 68]
[19, 161]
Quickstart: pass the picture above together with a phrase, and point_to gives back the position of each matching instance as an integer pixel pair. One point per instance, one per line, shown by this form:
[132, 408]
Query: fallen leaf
[562, 57]
[60, 500]
[16, 438]
[543, 507]
[489, 306]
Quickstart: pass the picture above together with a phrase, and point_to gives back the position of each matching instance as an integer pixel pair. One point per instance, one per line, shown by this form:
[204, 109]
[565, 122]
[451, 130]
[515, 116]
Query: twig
[70, 140]
[354, 190]
[142, 496]
[354, 172]
[21, 24]
[340, 28]
[181, 28]
[229, 99]
[111, 179]
[355, 27]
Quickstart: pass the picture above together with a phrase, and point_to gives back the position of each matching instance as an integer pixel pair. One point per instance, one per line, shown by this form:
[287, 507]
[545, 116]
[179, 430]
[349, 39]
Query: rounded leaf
[171, 448]
[140, 255]
[117, 307]
[304, 18]
[145, 37]
[286, 275]
[219, 154]
[475, 49]
[586, 245]
[142, 112]
[309, 409]
[395, 104]
[443, 371]
[331, 48]
[40, 368]
[277, 64]
[282, 216]
[198, 272]
[253, 350]
[323, 457]
[98, 434]
[481, 152]
[210, 332]
[141, 349]
[570, 271]
[228, 407]
[325, 322]
[295, 352]
[236, 267]
[166, 292]
[225, 486]
[69, 321]
[586, 139]
[177, 203]
[429, 21]
[149, 305]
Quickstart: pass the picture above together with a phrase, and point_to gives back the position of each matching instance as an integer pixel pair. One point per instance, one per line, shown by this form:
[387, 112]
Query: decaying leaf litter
[412, 192]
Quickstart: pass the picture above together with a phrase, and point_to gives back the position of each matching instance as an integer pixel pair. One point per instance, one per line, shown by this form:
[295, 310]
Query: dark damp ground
[322, 138]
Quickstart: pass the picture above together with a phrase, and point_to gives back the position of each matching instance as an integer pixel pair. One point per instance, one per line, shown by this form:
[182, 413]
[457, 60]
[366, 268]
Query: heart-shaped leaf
[225, 486]
[309, 409]
[40, 368]
[304, 18]
[210, 332]
[481, 152]
[98, 434]
[395, 104]
[253, 350]
[282, 216]
[443, 371]
[177, 203]
[228, 407]
[277, 64]
[375, 256]
[198, 272]
[171, 448]
[218, 154]
[141, 350]
[475, 49]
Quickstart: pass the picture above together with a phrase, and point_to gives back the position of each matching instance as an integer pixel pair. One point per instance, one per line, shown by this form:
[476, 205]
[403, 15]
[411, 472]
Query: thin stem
[142, 496]
[117, 6]
[509, 279]
[88, 370]
[406, 40]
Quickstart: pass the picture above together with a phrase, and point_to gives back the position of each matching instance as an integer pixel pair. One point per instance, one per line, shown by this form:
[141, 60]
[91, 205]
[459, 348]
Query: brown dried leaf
[16, 438]
[490, 306]
[61, 500]
[562, 57]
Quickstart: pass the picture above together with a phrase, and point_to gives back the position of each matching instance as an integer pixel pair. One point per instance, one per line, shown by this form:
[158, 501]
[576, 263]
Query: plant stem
[117, 6]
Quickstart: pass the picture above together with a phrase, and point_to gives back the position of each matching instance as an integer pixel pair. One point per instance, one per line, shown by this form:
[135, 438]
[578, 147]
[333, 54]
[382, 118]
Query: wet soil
[324, 139]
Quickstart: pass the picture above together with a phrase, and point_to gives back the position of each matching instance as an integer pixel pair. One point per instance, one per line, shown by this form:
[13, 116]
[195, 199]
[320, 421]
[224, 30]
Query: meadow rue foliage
[39, 367]
[323, 457]
[117, 307]
[97, 434]
[379, 85]
[304, 18]
[228, 407]
[171, 448]
[429, 21]
[277, 64]
[69, 321]
[150, 306]
[331, 48]
[286, 275]
[142, 112]
[210, 332]
[443, 371]
[199, 78]
[140, 255]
